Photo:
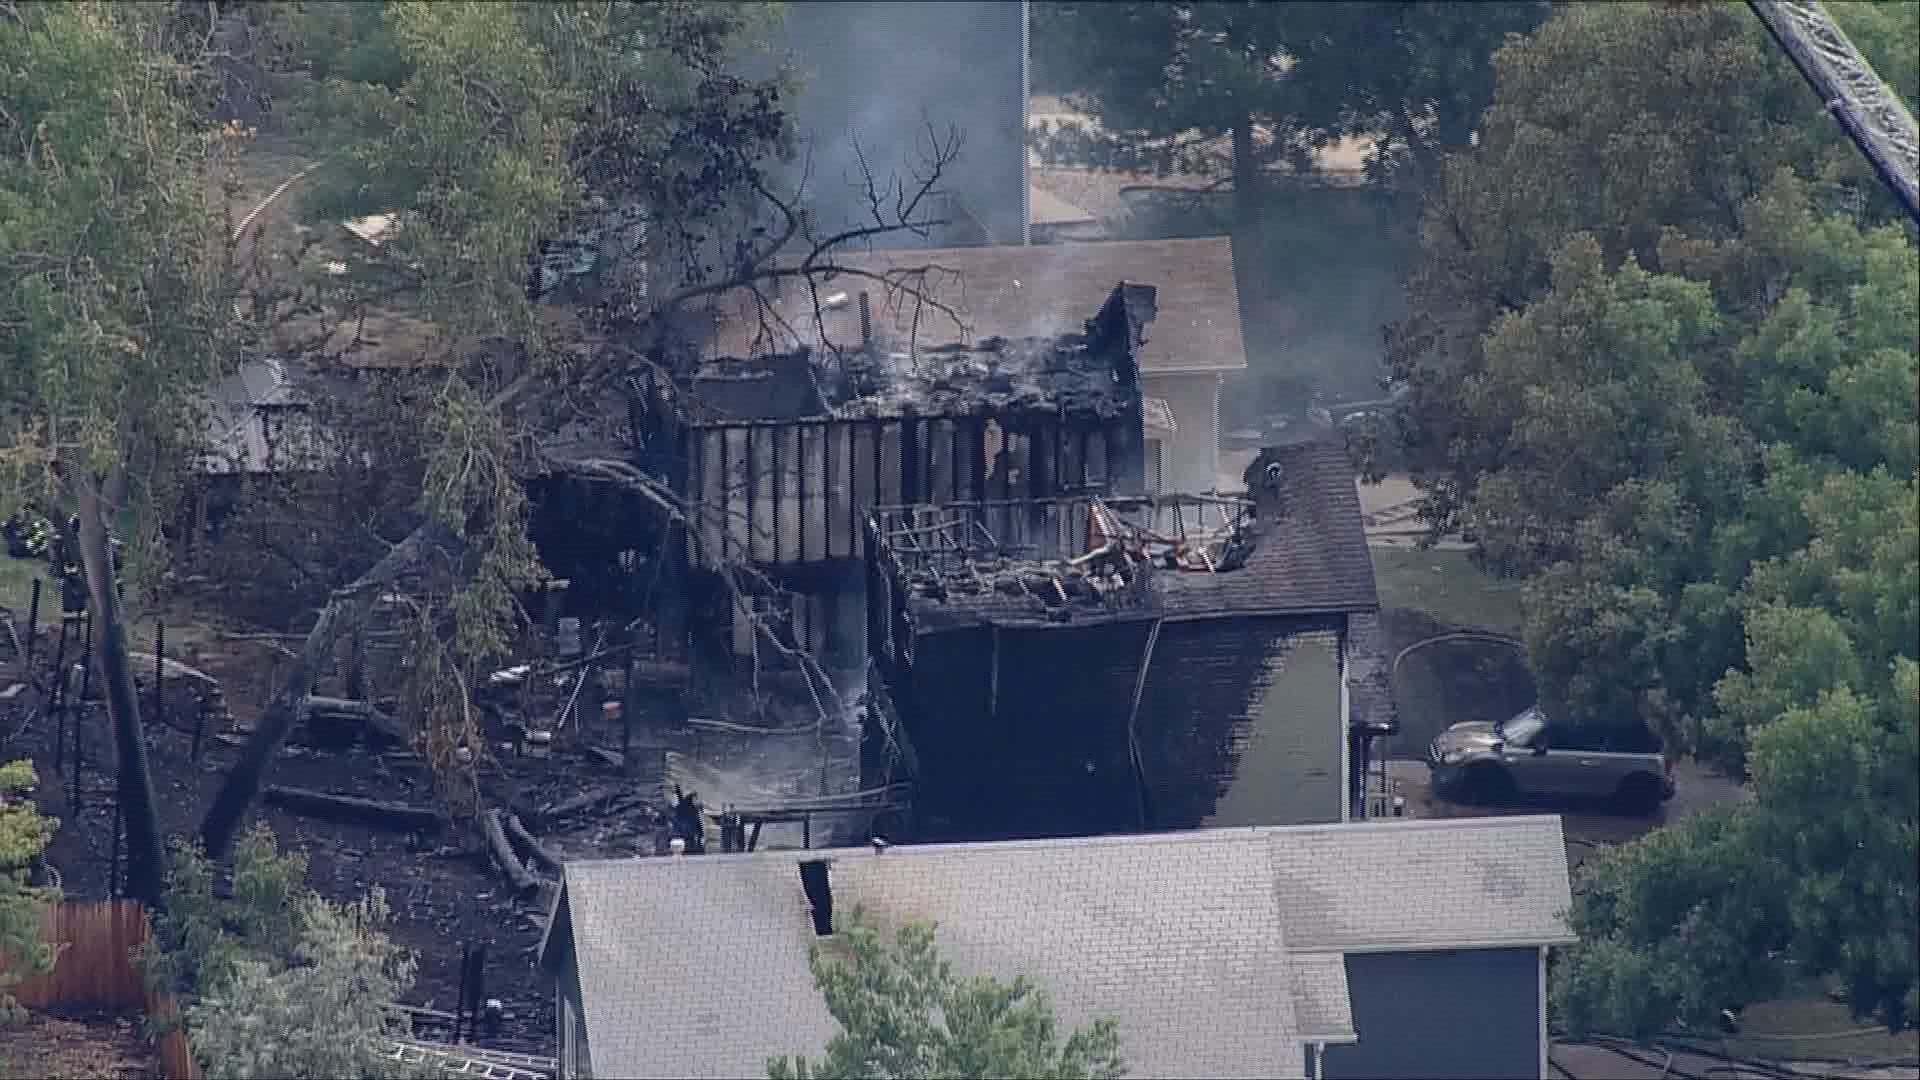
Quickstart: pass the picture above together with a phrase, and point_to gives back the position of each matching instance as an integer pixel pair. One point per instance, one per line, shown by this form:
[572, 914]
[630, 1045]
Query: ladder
[474, 1062]
[1873, 116]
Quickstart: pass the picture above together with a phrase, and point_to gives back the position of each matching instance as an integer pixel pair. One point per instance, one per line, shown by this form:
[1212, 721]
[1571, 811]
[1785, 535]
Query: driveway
[1588, 828]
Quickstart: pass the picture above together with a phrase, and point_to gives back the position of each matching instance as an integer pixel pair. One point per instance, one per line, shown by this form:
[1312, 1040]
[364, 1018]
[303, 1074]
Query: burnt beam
[912, 461]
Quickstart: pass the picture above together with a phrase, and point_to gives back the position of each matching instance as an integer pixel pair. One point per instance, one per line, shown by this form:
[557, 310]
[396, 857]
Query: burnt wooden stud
[753, 492]
[911, 477]
[776, 489]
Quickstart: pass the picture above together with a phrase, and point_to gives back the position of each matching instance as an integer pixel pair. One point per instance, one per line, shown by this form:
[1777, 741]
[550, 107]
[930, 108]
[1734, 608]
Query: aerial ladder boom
[1873, 116]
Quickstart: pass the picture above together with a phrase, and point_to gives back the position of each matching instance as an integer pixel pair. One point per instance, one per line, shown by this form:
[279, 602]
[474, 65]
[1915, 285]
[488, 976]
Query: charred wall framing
[780, 493]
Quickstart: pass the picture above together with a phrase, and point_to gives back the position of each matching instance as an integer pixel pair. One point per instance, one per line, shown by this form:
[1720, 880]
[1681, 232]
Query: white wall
[1193, 460]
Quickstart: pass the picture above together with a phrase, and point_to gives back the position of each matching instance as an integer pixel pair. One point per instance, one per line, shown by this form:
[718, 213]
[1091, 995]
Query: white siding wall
[1193, 461]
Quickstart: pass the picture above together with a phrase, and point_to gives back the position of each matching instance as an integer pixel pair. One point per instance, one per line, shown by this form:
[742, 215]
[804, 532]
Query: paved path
[1587, 829]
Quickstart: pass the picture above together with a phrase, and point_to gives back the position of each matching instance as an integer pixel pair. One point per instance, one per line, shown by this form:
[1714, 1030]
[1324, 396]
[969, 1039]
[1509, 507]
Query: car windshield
[1520, 730]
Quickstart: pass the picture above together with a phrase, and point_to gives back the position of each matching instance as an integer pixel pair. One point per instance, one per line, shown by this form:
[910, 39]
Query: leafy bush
[278, 982]
[904, 1014]
[24, 833]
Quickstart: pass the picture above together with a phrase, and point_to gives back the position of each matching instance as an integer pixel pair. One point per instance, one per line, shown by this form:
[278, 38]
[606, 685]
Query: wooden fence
[96, 971]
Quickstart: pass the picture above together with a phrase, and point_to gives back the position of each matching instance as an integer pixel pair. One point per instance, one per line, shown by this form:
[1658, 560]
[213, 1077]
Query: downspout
[1026, 119]
[1541, 990]
[1315, 1057]
[1133, 736]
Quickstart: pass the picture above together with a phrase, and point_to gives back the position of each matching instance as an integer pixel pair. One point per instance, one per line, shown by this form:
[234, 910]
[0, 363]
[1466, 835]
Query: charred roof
[1088, 373]
[1294, 546]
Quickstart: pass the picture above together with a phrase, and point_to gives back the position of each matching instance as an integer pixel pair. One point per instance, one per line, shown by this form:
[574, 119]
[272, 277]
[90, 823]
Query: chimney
[866, 321]
[813, 881]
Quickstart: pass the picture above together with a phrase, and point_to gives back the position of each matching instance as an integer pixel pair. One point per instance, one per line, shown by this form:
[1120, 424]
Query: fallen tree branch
[402, 816]
[362, 713]
[518, 833]
[347, 609]
[175, 667]
[584, 801]
[503, 856]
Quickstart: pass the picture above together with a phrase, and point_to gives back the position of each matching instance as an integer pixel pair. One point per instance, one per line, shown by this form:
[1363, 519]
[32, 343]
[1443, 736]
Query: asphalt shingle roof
[1414, 886]
[1321, 1008]
[697, 966]
[1015, 291]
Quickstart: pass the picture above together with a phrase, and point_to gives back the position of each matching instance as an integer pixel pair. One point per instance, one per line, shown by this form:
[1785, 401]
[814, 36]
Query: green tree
[1167, 83]
[493, 131]
[905, 1014]
[1663, 354]
[276, 980]
[24, 833]
[112, 306]
[1654, 128]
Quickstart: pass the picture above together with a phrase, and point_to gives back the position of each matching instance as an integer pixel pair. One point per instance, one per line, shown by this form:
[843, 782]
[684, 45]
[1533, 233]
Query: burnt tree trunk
[345, 613]
[146, 852]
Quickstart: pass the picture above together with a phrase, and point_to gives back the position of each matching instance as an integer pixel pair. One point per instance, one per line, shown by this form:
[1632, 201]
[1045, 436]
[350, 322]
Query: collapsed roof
[1090, 372]
[1294, 546]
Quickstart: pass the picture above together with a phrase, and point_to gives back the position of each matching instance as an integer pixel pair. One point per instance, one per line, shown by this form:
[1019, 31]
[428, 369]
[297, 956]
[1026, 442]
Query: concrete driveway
[1588, 828]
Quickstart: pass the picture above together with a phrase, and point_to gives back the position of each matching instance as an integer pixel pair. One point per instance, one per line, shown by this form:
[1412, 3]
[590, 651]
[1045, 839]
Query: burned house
[1107, 664]
[779, 460]
[1012, 290]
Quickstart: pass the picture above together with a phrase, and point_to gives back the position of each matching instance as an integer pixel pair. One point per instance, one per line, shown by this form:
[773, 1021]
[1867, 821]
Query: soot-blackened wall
[1023, 732]
[1240, 722]
[1038, 748]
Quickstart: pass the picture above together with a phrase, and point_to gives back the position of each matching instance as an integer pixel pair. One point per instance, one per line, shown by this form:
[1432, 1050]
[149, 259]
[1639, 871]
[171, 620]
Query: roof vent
[813, 881]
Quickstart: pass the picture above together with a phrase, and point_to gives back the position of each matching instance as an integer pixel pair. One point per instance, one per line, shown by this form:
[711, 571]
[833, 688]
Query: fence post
[113, 860]
[79, 710]
[460, 1000]
[54, 695]
[33, 627]
[159, 671]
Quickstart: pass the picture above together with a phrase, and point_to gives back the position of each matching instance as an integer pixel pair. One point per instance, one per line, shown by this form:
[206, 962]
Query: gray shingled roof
[697, 966]
[1321, 1007]
[1412, 886]
[1176, 936]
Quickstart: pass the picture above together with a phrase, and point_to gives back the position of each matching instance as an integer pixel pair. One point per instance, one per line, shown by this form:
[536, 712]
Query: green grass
[16, 586]
[1813, 1028]
[1447, 588]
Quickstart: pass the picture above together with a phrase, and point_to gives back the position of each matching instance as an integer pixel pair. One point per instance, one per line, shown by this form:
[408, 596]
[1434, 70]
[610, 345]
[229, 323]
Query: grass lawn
[1814, 1028]
[16, 587]
[1447, 588]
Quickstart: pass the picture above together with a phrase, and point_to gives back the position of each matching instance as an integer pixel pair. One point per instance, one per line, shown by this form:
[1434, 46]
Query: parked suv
[1532, 755]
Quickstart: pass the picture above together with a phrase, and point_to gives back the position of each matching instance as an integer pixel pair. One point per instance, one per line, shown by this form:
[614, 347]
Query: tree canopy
[1662, 345]
[906, 1014]
[113, 307]
[278, 981]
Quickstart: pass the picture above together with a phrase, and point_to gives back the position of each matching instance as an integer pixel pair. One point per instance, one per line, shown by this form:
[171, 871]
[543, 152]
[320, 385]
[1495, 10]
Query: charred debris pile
[1092, 372]
[996, 376]
[948, 559]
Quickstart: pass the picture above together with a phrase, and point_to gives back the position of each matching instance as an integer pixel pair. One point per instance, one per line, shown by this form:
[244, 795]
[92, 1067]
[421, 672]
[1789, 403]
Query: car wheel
[1640, 794]
[1487, 785]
